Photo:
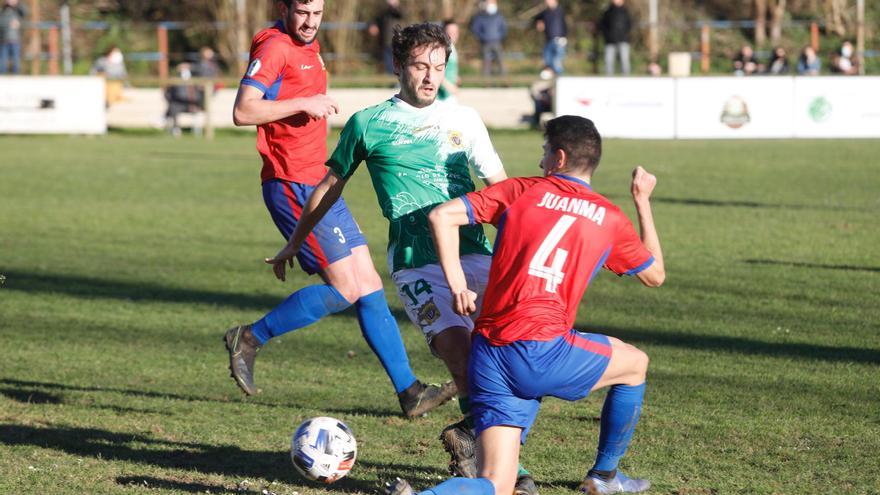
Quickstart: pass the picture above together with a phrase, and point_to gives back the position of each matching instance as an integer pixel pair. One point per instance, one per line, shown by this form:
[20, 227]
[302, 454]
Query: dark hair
[448, 22]
[579, 139]
[416, 35]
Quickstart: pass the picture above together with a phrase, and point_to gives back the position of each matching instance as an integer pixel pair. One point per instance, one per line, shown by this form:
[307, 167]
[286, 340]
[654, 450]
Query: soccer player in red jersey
[554, 234]
[283, 93]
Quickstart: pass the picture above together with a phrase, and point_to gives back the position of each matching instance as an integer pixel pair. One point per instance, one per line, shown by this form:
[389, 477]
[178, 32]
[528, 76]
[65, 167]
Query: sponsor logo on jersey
[305, 67]
[254, 67]
[455, 139]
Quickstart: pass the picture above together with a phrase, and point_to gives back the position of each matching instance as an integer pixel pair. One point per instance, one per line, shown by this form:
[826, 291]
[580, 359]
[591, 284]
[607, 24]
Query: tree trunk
[777, 13]
[760, 22]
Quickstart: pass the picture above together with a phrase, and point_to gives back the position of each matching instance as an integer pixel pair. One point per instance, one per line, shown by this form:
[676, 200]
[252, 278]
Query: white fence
[47, 105]
[725, 107]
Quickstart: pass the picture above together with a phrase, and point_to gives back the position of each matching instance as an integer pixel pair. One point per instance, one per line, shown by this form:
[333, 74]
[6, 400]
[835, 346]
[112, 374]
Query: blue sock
[462, 486]
[623, 404]
[301, 309]
[383, 336]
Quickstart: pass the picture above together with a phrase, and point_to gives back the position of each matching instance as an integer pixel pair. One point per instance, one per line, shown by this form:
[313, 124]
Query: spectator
[808, 63]
[490, 28]
[111, 65]
[615, 26]
[778, 63]
[745, 63]
[541, 92]
[551, 22]
[842, 60]
[207, 65]
[183, 98]
[449, 88]
[11, 17]
[383, 28]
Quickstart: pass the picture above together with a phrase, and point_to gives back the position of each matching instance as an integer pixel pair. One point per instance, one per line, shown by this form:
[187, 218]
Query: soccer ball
[323, 449]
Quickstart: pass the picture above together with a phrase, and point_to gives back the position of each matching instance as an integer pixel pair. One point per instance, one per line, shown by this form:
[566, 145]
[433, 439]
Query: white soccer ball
[323, 449]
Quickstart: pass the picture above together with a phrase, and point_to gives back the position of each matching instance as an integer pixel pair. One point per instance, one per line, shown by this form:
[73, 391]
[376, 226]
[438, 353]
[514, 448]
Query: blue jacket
[489, 27]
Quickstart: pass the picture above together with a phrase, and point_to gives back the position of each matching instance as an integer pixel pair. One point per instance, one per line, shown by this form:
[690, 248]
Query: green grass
[126, 256]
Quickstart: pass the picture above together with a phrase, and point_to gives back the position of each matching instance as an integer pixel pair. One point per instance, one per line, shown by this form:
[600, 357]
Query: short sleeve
[489, 204]
[483, 159]
[351, 149]
[266, 65]
[628, 255]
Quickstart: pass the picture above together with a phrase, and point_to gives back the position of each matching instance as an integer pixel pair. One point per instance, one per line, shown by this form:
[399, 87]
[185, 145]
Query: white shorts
[426, 297]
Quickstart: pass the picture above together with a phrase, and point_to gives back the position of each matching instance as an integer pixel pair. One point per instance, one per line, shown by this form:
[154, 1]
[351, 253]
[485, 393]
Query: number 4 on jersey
[538, 266]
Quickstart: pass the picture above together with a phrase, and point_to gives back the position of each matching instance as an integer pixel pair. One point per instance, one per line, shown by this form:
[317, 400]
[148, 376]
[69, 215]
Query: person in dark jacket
[490, 28]
[615, 26]
[778, 63]
[383, 28]
[12, 15]
[551, 22]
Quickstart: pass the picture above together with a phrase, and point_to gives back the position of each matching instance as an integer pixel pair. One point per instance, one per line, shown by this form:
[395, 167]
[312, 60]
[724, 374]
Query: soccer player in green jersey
[419, 152]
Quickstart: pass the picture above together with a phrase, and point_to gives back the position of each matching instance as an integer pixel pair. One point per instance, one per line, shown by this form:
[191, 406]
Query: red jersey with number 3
[554, 234]
[293, 148]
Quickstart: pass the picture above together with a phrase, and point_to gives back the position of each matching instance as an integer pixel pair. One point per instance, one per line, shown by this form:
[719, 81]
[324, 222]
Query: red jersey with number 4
[293, 148]
[554, 234]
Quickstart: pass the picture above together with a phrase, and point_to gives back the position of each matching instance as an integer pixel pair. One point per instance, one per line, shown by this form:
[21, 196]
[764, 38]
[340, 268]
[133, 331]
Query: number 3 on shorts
[419, 286]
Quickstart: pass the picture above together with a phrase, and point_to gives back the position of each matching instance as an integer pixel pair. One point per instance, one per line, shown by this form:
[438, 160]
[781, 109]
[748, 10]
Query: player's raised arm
[445, 220]
[251, 109]
[326, 193]
[642, 186]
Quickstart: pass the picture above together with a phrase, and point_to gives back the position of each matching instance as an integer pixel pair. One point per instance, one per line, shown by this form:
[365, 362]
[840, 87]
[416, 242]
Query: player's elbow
[239, 117]
[653, 276]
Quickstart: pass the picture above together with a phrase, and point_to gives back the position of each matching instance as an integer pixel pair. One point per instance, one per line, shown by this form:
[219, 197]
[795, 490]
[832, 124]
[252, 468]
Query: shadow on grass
[734, 203]
[90, 287]
[225, 460]
[28, 396]
[742, 345]
[22, 396]
[820, 266]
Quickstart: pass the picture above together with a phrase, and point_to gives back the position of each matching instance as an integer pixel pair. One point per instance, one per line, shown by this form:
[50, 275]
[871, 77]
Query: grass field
[126, 256]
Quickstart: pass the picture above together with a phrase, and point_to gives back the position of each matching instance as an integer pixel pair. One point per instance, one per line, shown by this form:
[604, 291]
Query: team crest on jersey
[254, 67]
[428, 313]
[455, 139]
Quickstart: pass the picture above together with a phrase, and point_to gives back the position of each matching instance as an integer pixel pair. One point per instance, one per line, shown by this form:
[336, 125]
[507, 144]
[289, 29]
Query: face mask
[491, 8]
[846, 51]
[115, 57]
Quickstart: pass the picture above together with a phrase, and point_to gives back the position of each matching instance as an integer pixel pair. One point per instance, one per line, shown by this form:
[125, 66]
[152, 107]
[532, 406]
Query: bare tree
[777, 15]
[760, 22]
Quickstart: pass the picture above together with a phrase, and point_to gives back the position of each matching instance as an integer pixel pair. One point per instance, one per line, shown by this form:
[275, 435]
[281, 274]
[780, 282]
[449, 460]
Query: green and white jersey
[418, 158]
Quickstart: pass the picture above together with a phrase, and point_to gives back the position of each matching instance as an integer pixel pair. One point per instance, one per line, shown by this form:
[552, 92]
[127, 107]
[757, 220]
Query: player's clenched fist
[320, 106]
[642, 184]
[464, 302]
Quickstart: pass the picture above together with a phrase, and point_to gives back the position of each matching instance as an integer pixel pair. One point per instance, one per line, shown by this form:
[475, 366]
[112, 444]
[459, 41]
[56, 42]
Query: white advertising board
[634, 107]
[52, 105]
[734, 107]
[837, 107]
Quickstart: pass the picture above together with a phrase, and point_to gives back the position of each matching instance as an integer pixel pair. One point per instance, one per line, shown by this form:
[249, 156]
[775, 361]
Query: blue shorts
[330, 241]
[508, 382]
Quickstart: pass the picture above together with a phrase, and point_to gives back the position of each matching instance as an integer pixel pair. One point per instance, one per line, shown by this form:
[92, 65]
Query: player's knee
[348, 289]
[640, 364]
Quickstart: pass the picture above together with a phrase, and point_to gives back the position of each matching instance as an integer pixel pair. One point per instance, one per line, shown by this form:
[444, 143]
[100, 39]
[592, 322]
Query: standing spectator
[745, 63]
[207, 64]
[842, 61]
[490, 28]
[111, 65]
[808, 63]
[615, 26]
[383, 28]
[551, 22]
[11, 17]
[449, 88]
[778, 63]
